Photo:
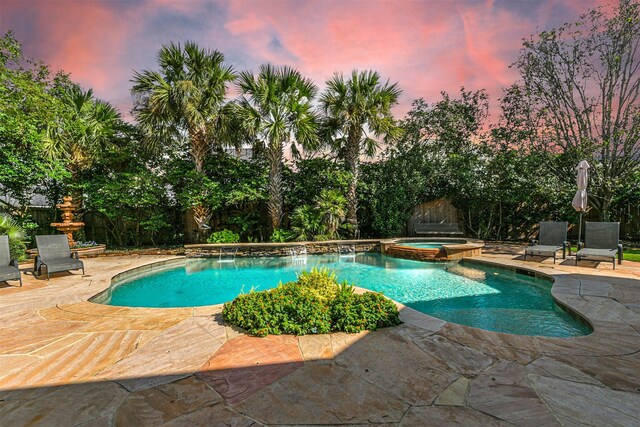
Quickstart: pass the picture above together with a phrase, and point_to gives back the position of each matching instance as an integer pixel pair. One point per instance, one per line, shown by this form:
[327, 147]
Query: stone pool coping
[63, 358]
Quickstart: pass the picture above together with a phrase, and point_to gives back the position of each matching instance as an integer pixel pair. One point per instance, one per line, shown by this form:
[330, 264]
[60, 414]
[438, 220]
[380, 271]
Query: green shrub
[369, 311]
[18, 250]
[16, 233]
[321, 283]
[280, 236]
[287, 309]
[224, 236]
[314, 304]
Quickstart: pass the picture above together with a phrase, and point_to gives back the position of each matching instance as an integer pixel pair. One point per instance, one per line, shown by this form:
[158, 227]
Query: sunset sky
[427, 46]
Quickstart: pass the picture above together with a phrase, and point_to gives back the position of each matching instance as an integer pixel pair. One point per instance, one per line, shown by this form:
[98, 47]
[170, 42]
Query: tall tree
[584, 79]
[184, 102]
[27, 110]
[275, 109]
[353, 108]
[87, 126]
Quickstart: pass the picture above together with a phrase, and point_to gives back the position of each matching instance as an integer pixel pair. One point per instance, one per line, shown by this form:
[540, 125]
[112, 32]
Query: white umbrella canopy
[580, 199]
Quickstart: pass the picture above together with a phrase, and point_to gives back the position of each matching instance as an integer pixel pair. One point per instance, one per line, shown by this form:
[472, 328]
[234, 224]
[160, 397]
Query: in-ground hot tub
[434, 249]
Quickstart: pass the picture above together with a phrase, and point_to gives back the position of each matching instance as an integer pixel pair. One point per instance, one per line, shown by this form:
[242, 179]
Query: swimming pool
[470, 294]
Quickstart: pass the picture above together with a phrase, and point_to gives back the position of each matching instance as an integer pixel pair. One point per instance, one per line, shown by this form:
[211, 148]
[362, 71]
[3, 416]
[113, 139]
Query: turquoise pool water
[425, 245]
[483, 297]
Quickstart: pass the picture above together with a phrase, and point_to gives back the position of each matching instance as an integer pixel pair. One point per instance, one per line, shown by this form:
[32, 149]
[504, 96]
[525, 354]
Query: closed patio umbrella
[580, 199]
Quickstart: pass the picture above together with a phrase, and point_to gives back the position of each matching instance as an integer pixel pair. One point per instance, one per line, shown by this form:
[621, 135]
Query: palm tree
[331, 207]
[275, 109]
[351, 109]
[185, 100]
[87, 127]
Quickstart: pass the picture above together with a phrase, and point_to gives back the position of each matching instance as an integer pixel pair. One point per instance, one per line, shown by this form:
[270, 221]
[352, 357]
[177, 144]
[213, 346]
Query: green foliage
[85, 128]
[224, 236]
[315, 304]
[582, 83]
[353, 108]
[275, 109]
[288, 309]
[27, 109]
[319, 282]
[133, 203]
[632, 255]
[306, 223]
[280, 235]
[186, 97]
[309, 175]
[242, 188]
[501, 192]
[353, 313]
[11, 228]
[332, 209]
[182, 108]
[122, 189]
[137, 182]
[195, 188]
[322, 220]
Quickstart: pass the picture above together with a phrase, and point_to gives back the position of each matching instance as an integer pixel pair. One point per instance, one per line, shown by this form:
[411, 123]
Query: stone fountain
[68, 226]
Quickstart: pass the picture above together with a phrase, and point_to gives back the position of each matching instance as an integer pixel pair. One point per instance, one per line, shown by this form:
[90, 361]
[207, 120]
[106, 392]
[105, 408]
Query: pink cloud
[427, 46]
[250, 24]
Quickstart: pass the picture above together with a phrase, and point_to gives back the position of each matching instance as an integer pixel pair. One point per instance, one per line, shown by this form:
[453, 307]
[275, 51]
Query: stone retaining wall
[418, 254]
[280, 249]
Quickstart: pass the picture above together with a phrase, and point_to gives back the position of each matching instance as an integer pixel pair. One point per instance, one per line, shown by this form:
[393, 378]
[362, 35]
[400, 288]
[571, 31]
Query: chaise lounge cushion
[605, 254]
[62, 264]
[543, 250]
[9, 272]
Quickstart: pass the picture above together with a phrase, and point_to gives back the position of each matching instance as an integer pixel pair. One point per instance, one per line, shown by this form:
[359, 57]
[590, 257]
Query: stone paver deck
[66, 361]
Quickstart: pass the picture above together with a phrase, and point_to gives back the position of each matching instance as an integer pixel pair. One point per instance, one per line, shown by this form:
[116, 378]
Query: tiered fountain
[68, 226]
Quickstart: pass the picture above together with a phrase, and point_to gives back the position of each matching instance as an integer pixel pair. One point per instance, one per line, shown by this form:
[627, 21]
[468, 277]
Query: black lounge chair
[54, 254]
[601, 242]
[552, 238]
[8, 267]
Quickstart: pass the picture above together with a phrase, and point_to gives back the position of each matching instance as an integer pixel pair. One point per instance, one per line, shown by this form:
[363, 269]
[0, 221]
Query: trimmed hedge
[314, 304]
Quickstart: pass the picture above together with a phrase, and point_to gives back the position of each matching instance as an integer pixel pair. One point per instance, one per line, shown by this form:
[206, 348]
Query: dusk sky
[427, 46]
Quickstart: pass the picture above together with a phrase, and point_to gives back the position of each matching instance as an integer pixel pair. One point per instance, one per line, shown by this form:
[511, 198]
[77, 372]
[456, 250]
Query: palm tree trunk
[274, 205]
[202, 216]
[201, 213]
[199, 148]
[352, 157]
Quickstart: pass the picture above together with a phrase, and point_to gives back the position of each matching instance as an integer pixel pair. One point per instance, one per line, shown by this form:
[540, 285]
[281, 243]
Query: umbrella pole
[580, 231]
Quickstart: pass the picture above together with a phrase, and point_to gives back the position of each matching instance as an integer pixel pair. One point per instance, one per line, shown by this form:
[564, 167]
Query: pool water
[425, 245]
[483, 297]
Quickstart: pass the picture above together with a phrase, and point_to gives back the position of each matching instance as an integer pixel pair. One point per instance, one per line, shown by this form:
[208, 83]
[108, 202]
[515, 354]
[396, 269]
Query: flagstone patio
[67, 361]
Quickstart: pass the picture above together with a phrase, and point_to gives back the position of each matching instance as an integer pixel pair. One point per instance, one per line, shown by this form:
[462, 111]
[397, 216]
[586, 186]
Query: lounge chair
[552, 238]
[601, 242]
[8, 267]
[54, 254]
